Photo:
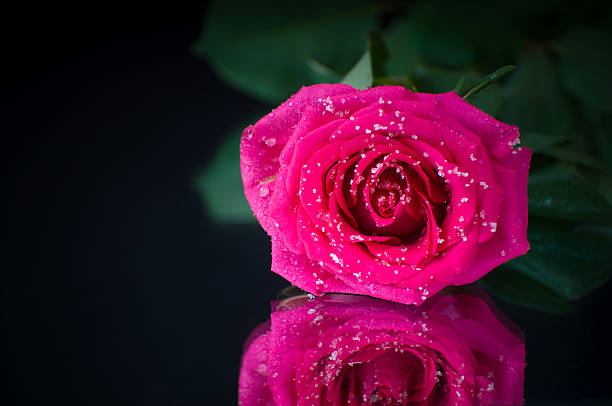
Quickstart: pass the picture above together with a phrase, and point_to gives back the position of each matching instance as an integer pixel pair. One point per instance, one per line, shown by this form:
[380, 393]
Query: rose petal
[510, 240]
[262, 144]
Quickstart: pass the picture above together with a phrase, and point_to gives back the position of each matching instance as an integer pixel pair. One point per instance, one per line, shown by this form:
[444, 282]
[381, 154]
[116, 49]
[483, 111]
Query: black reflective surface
[118, 288]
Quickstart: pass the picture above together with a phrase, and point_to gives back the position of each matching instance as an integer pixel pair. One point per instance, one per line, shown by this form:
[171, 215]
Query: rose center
[387, 190]
[386, 200]
[389, 195]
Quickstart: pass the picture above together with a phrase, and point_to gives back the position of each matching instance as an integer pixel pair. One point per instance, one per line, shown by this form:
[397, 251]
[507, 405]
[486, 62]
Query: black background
[120, 289]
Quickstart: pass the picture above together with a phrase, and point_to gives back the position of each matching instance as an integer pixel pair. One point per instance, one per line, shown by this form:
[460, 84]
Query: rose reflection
[457, 348]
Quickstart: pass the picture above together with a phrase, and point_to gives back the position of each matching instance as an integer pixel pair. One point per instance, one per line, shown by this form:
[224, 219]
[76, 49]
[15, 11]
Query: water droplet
[264, 190]
[270, 141]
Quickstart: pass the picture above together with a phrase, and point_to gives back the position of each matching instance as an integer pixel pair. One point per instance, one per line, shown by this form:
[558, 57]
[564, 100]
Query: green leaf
[572, 260]
[370, 65]
[430, 35]
[517, 288]
[574, 152]
[220, 183]
[569, 149]
[533, 98]
[586, 63]
[265, 51]
[601, 134]
[540, 142]
[403, 80]
[561, 191]
[447, 36]
[565, 263]
[433, 79]
[459, 85]
[487, 81]
[321, 73]
[403, 45]
[601, 180]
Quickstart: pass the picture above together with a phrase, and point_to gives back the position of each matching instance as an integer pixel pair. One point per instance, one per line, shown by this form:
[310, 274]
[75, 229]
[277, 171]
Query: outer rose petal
[262, 144]
[496, 135]
[510, 240]
[301, 270]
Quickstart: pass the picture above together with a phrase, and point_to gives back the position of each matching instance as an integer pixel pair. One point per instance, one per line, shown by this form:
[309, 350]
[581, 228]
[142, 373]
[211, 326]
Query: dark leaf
[395, 81]
[403, 45]
[572, 260]
[445, 35]
[265, 51]
[533, 98]
[561, 191]
[601, 134]
[321, 73]
[540, 142]
[517, 288]
[586, 63]
[574, 152]
[427, 35]
[432, 79]
[601, 181]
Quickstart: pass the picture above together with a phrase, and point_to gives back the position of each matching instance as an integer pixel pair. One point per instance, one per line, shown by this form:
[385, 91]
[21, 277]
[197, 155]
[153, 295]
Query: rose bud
[357, 350]
[385, 192]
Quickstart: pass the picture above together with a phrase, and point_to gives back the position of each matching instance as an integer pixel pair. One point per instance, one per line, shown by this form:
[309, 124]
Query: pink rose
[385, 192]
[356, 350]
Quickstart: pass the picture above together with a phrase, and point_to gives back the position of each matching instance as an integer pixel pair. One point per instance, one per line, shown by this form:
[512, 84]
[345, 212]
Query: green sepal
[371, 65]
[486, 81]
[459, 85]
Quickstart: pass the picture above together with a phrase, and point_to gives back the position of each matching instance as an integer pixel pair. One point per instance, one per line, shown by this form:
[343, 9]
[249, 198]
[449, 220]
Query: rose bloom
[385, 192]
[357, 350]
